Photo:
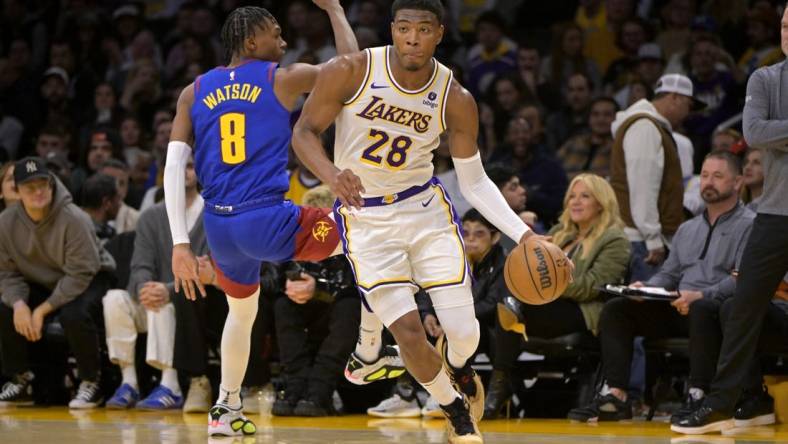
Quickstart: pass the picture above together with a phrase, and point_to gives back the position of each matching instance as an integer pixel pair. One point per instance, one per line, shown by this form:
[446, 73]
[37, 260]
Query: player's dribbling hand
[531, 235]
[185, 269]
[347, 187]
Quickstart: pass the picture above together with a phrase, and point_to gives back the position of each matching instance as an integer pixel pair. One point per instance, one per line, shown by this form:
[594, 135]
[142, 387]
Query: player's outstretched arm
[185, 267]
[299, 78]
[336, 82]
[462, 121]
[344, 37]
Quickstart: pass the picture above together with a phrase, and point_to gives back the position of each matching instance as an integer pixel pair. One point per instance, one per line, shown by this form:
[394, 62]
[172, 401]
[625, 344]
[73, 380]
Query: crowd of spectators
[576, 99]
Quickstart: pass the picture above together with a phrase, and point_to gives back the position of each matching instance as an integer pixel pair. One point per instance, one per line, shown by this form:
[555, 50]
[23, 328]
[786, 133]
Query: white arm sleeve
[178, 154]
[483, 195]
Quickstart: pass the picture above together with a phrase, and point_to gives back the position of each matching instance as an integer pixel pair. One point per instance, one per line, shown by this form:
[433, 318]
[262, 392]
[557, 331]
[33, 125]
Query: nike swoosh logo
[373, 86]
[428, 201]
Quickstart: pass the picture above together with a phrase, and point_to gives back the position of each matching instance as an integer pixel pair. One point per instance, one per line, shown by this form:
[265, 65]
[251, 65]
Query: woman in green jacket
[590, 233]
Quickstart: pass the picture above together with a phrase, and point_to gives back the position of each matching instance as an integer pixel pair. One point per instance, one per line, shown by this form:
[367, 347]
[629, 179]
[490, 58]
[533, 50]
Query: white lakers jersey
[385, 133]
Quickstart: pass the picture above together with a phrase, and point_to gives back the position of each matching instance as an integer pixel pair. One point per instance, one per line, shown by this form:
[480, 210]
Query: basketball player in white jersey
[397, 224]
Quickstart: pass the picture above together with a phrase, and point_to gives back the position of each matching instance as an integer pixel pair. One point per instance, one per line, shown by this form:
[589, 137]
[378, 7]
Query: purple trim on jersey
[458, 227]
[340, 221]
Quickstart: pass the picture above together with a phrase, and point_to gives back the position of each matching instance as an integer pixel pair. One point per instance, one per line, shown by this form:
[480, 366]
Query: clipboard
[639, 294]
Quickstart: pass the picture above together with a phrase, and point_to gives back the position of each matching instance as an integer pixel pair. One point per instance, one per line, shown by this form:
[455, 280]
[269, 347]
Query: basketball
[537, 272]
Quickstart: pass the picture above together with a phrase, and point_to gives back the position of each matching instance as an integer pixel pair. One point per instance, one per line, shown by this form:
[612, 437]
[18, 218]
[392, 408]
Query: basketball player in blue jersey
[237, 119]
[397, 223]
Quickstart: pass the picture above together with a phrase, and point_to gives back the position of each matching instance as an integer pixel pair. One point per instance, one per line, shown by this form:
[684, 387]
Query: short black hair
[115, 163]
[433, 6]
[500, 173]
[473, 215]
[605, 99]
[734, 161]
[240, 24]
[585, 76]
[97, 188]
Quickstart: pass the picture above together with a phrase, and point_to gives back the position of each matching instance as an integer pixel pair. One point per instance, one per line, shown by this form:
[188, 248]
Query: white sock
[169, 379]
[369, 336]
[129, 374]
[441, 389]
[236, 339]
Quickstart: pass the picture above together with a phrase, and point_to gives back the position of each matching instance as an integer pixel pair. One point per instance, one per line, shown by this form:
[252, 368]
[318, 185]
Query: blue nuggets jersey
[241, 134]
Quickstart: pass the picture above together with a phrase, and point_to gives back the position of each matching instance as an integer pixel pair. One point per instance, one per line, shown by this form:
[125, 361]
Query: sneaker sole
[433, 414]
[718, 426]
[159, 409]
[118, 406]
[16, 404]
[584, 420]
[761, 420]
[414, 412]
[83, 407]
[386, 372]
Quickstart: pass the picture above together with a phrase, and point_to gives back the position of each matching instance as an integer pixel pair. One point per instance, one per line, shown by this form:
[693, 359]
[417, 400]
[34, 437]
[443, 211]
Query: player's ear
[440, 33]
[250, 44]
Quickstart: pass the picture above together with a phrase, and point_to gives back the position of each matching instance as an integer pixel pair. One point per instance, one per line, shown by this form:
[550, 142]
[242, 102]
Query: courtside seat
[564, 346]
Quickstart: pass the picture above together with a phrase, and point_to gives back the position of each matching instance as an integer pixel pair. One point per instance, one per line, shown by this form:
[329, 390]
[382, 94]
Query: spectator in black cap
[50, 261]
[649, 68]
[127, 22]
[56, 108]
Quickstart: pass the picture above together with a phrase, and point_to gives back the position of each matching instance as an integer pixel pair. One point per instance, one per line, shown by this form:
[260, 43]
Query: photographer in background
[317, 321]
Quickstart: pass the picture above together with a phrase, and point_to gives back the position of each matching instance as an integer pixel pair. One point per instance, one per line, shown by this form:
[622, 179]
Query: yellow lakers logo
[390, 198]
[320, 231]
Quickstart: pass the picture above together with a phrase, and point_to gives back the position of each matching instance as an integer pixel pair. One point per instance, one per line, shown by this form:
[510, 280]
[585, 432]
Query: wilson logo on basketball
[542, 269]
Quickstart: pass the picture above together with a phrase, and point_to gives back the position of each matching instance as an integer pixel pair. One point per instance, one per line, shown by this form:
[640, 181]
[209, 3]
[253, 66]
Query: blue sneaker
[125, 397]
[161, 398]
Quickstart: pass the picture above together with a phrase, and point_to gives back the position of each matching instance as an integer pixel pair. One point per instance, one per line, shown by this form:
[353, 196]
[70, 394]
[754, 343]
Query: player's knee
[243, 310]
[113, 303]
[463, 337]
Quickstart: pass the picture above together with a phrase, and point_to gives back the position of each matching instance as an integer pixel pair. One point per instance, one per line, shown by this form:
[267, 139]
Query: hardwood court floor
[58, 425]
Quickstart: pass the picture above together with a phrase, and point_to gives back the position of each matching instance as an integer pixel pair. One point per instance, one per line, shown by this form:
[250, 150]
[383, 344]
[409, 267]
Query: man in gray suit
[765, 258]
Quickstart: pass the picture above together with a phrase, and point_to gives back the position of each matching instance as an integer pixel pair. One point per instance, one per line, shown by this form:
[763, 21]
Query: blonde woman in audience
[590, 232]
